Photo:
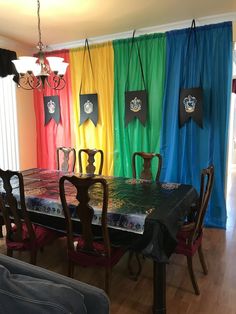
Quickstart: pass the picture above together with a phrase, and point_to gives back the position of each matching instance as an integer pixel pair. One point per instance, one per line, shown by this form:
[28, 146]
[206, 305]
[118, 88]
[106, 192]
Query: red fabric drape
[53, 135]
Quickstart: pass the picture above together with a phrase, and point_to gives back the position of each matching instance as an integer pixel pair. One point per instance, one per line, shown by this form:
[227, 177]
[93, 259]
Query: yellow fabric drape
[87, 135]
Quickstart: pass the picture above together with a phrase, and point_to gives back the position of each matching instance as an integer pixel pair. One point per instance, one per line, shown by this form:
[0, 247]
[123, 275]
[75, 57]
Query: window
[9, 147]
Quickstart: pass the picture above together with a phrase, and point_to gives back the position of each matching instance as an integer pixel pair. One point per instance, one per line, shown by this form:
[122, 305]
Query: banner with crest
[88, 102]
[190, 105]
[191, 98]
[136, 100]
[89, 108]
[51, 109]
[136, 106]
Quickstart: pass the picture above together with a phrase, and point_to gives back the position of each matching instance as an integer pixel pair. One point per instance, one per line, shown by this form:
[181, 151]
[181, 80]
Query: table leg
[159, 288]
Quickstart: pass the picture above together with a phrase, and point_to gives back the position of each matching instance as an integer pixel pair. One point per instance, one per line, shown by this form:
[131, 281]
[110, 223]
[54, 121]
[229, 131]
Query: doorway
[232, 130]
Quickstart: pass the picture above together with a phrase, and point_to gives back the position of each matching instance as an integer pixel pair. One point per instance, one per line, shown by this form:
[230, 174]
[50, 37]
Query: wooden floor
[218, 288]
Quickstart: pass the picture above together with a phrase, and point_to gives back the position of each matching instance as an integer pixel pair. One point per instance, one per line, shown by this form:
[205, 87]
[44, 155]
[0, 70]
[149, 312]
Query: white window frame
[9, 144]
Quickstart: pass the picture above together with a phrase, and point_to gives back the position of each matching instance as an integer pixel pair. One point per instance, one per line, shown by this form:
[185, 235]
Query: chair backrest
[66, 158]
[84, 211]
[207, 179]
[146, 173]
[13, 206]
[90, 168]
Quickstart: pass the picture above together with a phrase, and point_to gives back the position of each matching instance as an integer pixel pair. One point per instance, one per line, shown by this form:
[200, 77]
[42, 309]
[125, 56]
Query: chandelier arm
[27, 82]
[58, 82]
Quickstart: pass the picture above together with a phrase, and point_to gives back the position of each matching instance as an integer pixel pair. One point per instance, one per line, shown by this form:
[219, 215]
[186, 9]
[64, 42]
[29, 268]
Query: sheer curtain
[9, 147]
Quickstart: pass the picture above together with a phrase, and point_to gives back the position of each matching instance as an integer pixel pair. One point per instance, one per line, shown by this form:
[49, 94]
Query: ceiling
[64, 21]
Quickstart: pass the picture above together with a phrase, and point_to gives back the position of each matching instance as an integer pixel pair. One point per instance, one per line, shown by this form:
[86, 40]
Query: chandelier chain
[40, 44]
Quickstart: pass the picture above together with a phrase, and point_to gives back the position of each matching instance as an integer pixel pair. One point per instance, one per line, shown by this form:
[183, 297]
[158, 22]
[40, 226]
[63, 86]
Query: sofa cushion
[24, 294]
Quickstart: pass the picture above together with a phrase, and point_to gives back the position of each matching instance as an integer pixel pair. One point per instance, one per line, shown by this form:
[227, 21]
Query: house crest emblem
[51, 106]
[88, 107]
[190, 103]
[136, 104]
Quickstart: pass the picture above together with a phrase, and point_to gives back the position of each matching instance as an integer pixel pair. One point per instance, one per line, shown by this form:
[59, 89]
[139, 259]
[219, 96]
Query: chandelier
[36, 72]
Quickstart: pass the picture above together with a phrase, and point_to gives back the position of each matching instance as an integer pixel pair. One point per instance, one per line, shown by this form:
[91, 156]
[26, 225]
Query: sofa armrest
[95, 299]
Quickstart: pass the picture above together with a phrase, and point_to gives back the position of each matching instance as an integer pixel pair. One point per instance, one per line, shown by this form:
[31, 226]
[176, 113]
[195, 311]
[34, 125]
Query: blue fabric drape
[188, 149]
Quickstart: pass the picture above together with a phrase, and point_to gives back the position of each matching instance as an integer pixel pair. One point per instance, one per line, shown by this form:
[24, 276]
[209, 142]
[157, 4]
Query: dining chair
[90, 168]
[85, 250]
[21, 234]
[191, 233]
[66, 158]
[146, 173]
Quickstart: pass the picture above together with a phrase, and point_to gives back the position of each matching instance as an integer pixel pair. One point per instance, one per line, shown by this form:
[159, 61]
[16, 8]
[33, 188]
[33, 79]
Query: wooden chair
[146, 173]
[191, 233]
[21, 234]
[90, 168]
[66, 158]
[84, 250]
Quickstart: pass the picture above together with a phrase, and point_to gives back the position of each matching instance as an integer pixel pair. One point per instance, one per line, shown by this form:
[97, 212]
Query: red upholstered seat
[183, 246]
[191, 233]
[43, 236]
[97, 256]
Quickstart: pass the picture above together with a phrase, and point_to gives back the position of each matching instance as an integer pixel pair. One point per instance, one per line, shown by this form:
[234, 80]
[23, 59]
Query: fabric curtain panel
[136, 137]
[188, 149]
[53, 135]
[87, 135]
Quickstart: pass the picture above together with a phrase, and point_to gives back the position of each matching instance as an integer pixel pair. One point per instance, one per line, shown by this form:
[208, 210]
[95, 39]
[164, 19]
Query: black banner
[191, 97]
[51, 109]
[190, 105]
[135, 101]
[136, 106]
[89, 108]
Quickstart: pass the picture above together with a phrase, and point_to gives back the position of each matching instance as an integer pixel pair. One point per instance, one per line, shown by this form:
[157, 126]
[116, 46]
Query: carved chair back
[207, 179]
[13, 208]
[146, 173]
[90, 168]
[84, 211]
[66, 158]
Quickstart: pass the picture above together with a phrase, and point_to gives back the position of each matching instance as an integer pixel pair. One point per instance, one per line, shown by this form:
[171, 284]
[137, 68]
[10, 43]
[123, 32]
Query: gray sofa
[25, 288]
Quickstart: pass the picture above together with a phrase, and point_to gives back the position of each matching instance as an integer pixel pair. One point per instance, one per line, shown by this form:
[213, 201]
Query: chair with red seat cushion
[85, 250]
[21, 234]
[191, 233]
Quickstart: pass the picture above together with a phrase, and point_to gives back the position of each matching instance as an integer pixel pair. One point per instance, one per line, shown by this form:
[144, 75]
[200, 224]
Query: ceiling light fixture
[36, 72]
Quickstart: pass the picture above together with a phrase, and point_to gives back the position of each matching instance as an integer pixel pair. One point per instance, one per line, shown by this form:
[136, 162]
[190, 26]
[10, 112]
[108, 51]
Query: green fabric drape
[136, 137]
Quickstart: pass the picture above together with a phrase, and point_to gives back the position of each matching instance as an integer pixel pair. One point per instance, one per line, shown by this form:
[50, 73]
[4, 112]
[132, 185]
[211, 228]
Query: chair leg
[9, 252]
[33, 257]
[108, 280]
[1, 232]
[70, 269]
[202, 260]
[192, 275]
[138, 272]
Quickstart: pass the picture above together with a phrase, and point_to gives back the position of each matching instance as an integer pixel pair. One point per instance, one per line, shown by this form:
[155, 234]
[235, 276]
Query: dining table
[150, 211]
